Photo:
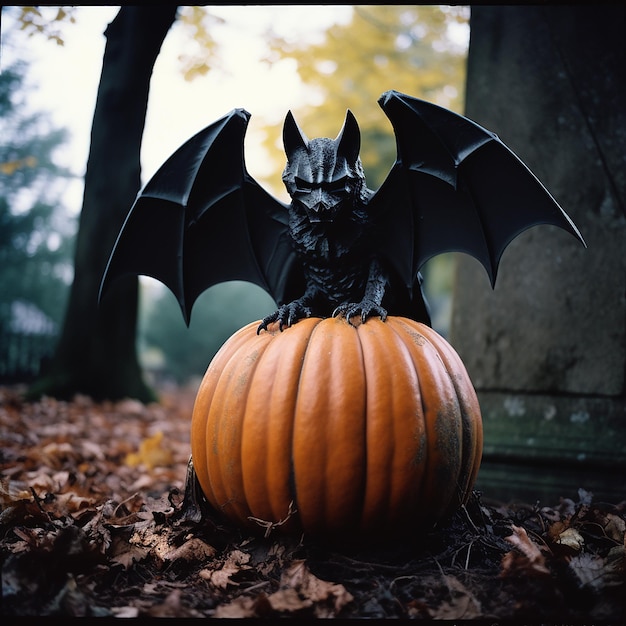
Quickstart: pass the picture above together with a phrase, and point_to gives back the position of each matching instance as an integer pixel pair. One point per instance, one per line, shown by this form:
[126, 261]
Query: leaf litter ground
[94, 522]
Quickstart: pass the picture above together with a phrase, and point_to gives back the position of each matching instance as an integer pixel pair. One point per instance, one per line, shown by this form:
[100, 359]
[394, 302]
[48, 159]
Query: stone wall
[546, 348]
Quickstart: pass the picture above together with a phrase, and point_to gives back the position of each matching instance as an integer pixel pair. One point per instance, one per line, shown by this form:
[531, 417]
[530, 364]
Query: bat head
[323, 175]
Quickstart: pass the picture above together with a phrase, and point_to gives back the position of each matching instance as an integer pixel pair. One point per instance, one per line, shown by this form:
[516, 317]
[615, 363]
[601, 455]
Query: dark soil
[94, 521]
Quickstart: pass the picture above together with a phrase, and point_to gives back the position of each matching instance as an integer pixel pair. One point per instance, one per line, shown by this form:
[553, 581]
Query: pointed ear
[293, 137]
[349, 138]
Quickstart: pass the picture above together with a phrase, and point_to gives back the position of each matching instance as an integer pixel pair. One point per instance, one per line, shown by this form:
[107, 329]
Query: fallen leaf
[241, 607]
[555, 529]
[172, 606]
[151, 541]
[615, 528]
[589, 569]
[13, 491]
[328, 597]
[572, 539]
[126, 553]
[288, 600]
[598, 573]
[151, 453]
[29, 538]
[275, 560]
[57, 454]
[125, 611]
[92, 450]
[221, 578]
[530, 562]
[462, 603]
[130, 407]
[193, 549]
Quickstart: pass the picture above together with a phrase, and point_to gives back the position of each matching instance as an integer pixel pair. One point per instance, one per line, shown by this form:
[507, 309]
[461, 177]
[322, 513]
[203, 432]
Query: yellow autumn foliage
[151, 453]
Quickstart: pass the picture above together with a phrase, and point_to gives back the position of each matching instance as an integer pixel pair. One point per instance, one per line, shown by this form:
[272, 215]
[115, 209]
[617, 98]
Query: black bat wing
[202, 220]
[454, 187]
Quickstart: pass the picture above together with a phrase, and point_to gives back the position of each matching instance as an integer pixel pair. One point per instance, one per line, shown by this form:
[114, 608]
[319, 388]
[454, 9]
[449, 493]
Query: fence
[23, 355]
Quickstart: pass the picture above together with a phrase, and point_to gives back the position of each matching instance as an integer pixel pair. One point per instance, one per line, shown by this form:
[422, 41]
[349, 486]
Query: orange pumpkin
[332, 429]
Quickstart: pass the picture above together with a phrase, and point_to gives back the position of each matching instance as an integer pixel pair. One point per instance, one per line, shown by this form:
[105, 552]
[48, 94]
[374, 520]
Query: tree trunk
[96, 354]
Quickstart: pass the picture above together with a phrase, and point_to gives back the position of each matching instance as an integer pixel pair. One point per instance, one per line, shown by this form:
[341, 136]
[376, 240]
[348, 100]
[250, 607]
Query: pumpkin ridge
[364, 465]
[291, 480]
[326, 454]
[200, 425]
[420, 461]
[228, 422]
[471, 441]
[384, 419]
[305, 336]
[295, 443]
[255, 432]
[442, 426]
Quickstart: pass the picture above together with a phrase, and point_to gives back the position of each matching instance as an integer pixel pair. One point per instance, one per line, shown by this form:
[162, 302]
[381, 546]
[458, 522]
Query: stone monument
[547, 348]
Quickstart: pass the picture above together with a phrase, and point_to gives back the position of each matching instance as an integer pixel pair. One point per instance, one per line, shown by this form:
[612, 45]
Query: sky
[65, 80]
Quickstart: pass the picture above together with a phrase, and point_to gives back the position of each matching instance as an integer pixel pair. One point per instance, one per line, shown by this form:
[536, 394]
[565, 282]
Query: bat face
[323, 176]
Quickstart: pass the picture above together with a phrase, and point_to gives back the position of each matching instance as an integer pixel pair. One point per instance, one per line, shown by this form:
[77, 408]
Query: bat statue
[338, 248]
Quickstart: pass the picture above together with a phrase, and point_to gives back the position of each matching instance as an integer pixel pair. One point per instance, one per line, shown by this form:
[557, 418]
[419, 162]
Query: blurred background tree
[96, 352]
[418, 50]
[173, 353]
[36, 234]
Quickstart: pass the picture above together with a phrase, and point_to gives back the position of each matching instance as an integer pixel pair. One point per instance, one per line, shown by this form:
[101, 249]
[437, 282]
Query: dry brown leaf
[41, 482]
[92, 450]
[222, 577]
[172, 606]
[596, 572]
[143, 483]
[616, 564]
[615, 528]
[98, 531]
[126, 553]
[130, 407]
[154, 542]
[274, 560]
[555, 529]
[329, 598]
[57, 454]
[239, 608]
[462, 603]
[13, 491]
[571, 538]
[193, 549]
[125, 611]
[589, 569]
[288, 600]
[527, 561]
[29, 538]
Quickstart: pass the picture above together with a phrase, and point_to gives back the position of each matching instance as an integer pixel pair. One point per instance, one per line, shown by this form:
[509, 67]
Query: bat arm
[377, 282]
[371, 303]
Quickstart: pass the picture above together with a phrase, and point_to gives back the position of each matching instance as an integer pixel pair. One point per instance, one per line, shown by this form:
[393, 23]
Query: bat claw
[363, 310]
[286, 315]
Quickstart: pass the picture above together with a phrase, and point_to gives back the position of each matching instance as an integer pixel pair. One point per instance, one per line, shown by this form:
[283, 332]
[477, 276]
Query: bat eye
[341, 185]
[303, 186]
